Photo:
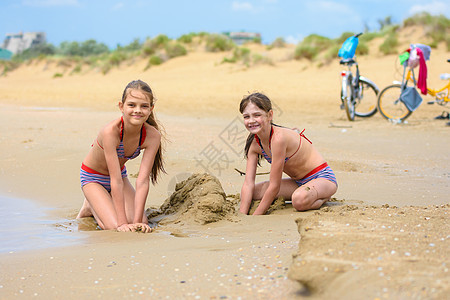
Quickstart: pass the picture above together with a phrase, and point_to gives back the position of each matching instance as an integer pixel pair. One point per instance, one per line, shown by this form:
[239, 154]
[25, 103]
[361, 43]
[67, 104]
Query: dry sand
[385, 235]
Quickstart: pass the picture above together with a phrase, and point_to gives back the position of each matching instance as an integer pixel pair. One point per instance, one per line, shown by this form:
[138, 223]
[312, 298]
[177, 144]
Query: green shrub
[239, 54]
[389, 46]
[161, 40]
[437, 27]
[105, 68]
[155, 60]
[244, 55]
[116, 57]
[362, 48]
[311, 46]
[65, 63]
[77, 69]
[186, 38]
[257, 40]
[8, 66]
[320, 42]
[151, 45]
[135, 45]
[148, 48]
[35, 51]
[422, 18]
[279, 42]
[86, 48]
[332, 52]
[344, 36]
[307, 52]
[261, 59]
[218, 43]
[175, 49]
[368, 36]
[57, 75]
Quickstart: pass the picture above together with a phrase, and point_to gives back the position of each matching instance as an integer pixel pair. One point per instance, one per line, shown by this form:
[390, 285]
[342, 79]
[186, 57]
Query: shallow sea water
[25, 225]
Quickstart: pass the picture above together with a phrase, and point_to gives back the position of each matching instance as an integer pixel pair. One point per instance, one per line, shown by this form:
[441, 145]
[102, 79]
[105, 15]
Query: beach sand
[385, 235]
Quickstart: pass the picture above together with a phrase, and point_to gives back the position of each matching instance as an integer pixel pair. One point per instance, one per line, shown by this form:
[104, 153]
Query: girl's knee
[304, 197]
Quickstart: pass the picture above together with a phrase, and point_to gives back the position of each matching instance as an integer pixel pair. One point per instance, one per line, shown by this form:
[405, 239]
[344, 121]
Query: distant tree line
[83, 49]
[161, 48]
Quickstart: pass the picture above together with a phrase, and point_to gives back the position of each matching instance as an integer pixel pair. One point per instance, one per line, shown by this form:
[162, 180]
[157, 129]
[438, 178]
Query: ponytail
[158, 164]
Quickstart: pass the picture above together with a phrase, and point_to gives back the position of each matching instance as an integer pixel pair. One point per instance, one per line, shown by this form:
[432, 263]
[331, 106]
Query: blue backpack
[348, 48]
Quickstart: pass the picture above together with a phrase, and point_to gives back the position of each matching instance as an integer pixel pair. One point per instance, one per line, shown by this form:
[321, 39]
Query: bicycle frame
[355, 81]
[441, 98]
[358, 94]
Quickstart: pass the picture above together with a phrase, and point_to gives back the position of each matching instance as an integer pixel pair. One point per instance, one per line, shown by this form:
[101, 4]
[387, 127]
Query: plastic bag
[348, 48]
[411, 98]
[403, 57]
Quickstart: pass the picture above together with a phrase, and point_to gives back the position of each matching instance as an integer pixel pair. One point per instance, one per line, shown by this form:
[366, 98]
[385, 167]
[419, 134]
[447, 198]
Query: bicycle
[391, 104]
[355, 89]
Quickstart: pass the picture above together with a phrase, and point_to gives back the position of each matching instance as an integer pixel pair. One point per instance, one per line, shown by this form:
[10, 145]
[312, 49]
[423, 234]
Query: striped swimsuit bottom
[323, 171]
[88, 175]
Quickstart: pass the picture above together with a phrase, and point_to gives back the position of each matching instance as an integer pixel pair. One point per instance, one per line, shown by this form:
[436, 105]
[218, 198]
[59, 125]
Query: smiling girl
[311, 182]
[110, 197]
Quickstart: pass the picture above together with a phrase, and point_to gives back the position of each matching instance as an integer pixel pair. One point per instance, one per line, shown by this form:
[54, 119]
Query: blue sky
[121, 21]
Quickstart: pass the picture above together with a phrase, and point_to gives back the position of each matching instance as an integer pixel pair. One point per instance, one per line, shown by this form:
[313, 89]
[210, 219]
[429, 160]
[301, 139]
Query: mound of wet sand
[353, 252]
[200, 199]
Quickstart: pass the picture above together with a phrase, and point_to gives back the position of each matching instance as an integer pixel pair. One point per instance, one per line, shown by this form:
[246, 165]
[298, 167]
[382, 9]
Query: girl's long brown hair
[262, 102]
[158, 164]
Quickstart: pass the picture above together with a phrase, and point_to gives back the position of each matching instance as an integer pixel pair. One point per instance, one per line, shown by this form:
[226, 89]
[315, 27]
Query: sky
[119, 22]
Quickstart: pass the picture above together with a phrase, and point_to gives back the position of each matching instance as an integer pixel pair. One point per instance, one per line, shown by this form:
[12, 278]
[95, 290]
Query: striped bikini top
[120, 148]
[267, 157]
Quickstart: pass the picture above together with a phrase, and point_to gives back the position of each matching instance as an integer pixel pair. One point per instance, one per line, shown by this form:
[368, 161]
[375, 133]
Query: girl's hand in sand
[142, 227]
[126, 227]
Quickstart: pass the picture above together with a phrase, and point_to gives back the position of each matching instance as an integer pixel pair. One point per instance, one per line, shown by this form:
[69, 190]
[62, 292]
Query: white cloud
[118, 6]
[290, 39]
[241, 6]
[434, 8]
[50, 2]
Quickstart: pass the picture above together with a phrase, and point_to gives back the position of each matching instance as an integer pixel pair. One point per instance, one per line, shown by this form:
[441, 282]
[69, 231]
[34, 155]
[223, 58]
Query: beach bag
[411, 98]
[348, 48]
[414, 58]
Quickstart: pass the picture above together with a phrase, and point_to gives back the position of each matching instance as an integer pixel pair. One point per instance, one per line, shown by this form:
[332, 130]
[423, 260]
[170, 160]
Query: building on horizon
[241, 37]
[19, 42]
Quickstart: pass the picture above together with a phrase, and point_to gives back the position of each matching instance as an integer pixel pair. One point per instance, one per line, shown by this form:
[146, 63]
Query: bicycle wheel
[389, 103]
[366, 100]
[348, 101]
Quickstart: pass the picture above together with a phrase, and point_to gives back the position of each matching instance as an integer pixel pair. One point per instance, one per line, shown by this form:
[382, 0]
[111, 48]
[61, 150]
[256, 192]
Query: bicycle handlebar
[358, 34]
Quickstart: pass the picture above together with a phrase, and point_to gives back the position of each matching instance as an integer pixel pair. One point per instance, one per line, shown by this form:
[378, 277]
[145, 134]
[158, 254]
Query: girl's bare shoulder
[281, 134]
[153, 136]
[254, 147]
[152, 131]
[110, 131]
